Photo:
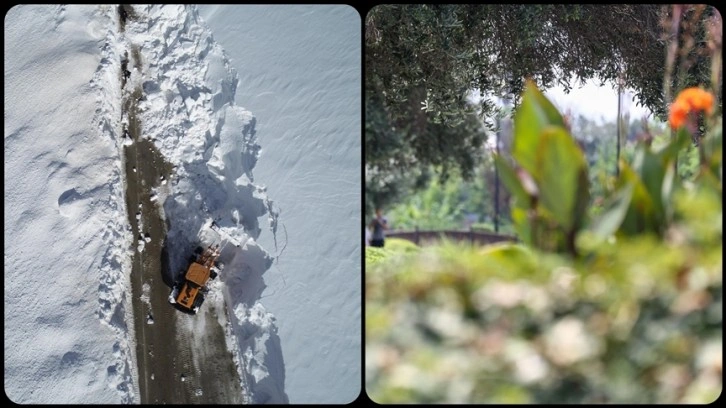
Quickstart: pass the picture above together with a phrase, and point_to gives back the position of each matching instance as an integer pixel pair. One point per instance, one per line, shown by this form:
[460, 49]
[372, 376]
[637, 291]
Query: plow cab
[191, 293]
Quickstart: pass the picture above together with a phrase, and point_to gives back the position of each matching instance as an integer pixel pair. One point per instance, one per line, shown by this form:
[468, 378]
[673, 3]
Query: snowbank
[299, 71]
[188, 112]
[66, 238]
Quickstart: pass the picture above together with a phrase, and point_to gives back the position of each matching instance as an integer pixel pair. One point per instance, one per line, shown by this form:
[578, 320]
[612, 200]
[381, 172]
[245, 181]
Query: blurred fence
[422, 237]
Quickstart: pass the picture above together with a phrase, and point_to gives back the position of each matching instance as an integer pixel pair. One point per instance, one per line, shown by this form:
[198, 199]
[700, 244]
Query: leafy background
[629, 312]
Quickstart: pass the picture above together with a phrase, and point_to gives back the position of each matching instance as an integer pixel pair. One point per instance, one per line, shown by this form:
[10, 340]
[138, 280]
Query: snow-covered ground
[293, 286]
[66, 314]
[299, 73]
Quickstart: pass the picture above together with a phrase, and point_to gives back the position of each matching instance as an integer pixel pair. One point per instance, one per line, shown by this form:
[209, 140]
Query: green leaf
[652, 172]
[713, 150]
[511, 181]
[671, 150]
[522, 225]
[582, 202]
[640, 215]
[666, 193]
[611, 219]
[549, 110]
[560, 165]
[534, 114]
[656, 172]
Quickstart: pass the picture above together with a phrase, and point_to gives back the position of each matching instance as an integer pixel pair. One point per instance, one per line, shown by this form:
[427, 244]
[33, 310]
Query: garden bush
[622, 308]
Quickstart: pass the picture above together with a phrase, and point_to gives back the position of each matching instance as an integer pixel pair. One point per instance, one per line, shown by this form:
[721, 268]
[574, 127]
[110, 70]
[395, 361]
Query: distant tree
[400, 154]
[423, 60]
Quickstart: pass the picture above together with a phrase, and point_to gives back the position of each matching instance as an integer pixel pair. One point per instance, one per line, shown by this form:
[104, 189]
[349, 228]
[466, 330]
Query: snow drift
[299, 69]
[188, 112]
[66, 338]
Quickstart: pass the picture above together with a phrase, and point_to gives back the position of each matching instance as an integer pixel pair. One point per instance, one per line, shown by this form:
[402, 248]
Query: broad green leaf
[527, 126]
[713, 150]
[671, 150]
[616, 209]
[640, 214]
[550, 111]
[533, 115]
[666, 194]
[561, 164]
[656, 171]
[582, 201]
[652, 172]
[522, 224]
[511, 182]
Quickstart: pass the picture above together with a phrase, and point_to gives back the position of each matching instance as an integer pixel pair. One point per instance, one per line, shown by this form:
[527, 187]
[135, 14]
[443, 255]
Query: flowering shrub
[625, 308]
[622, 307]
[689, 102]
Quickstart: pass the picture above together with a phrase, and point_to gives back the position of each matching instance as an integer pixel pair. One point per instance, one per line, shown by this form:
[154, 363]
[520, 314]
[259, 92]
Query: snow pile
[66, 336]
[188, 112]
[299, 71]
[257, 326]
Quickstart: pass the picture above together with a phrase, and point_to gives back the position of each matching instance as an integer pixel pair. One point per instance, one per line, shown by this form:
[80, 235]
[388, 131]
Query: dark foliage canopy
[423, 60]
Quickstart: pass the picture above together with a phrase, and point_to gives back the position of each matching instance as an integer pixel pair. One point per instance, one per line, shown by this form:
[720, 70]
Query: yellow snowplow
[190, 295]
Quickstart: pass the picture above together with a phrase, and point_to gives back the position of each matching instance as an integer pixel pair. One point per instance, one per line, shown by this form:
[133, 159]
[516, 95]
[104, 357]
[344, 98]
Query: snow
[299, 72]
[189, 113]
[145, 291]
[66, 314]
[284, 100]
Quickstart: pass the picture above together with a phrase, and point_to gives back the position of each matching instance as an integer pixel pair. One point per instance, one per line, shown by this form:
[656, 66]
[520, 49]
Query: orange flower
[697, 98]
[689, 100]
[678, 114]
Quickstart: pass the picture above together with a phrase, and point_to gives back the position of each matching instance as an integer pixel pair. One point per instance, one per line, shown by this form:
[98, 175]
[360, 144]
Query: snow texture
[67, 313]
[291, 292]
[299, 71]
[189, 114]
